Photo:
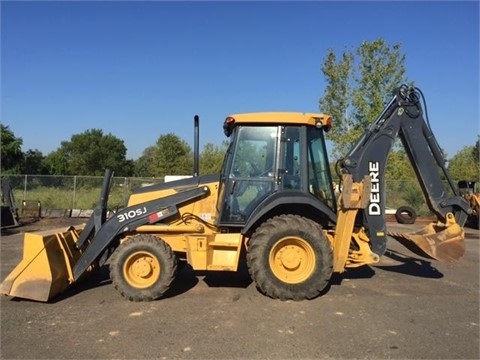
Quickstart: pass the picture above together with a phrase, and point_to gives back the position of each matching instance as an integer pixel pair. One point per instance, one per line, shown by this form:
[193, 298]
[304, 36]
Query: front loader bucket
[46, 268]
[443, 242]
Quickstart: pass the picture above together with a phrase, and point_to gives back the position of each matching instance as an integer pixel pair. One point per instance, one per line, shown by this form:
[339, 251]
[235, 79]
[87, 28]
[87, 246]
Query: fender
[286, 198]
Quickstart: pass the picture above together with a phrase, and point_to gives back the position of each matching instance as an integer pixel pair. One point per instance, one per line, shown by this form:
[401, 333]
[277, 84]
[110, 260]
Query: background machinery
[471, 193]
[272, 205]
[9, 212]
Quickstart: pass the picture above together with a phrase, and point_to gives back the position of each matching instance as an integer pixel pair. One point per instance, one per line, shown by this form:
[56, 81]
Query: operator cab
[270, 153]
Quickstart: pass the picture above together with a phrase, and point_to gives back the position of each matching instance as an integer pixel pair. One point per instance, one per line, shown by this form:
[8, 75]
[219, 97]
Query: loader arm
[403, 118]
[99, 215]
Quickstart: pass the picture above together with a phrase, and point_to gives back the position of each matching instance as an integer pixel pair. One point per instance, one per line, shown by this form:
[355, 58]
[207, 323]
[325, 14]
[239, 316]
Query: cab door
[250, 174]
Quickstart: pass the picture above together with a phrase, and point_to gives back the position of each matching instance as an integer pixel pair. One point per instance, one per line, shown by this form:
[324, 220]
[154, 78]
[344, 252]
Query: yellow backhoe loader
[273, 205]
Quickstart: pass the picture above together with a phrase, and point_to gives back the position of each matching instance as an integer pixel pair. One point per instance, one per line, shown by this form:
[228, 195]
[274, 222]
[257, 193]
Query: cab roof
[275, 118]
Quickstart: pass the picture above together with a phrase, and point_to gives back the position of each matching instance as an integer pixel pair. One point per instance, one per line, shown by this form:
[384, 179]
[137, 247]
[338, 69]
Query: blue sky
[138, 70]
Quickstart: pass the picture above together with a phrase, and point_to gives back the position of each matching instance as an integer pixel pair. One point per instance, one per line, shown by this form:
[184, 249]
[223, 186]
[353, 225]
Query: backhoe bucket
[46, 269]
[443, 242]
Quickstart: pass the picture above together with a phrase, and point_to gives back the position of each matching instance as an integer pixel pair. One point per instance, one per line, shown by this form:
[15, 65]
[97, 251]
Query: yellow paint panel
[197, 252]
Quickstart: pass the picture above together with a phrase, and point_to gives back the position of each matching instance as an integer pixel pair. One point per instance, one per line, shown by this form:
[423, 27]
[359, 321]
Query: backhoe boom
[403, 118]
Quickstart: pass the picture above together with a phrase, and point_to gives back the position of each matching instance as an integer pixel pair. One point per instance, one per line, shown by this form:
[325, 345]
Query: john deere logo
[374, 206]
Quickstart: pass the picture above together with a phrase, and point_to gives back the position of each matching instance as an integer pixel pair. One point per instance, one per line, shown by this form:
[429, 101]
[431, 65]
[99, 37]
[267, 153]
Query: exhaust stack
[196, 152]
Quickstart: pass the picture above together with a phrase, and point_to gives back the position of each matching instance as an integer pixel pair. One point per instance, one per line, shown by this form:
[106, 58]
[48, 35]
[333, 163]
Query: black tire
[290, 258]
[142, 268]
[406, 215]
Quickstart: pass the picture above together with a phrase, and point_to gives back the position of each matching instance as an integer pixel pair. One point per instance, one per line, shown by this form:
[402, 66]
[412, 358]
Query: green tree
[144, 165]
[358, 87]
[11, 151]
[399, 167]
[34, 163]
[476, 150]
[211, 158]
[173, 156]
[465, 164]
[90, 153]
[56, 162]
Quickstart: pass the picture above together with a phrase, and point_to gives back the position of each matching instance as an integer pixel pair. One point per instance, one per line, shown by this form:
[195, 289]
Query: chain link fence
[83, 192]
[73, 192]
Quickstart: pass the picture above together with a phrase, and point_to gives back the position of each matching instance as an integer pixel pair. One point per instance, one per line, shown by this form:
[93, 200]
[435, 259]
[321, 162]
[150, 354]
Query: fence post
[125, 191]
[74, 191]
[25, 188]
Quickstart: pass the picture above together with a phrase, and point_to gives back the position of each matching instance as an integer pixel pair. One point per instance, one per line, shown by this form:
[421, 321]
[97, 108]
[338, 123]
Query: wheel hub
[142, 267]
[292, 260]
[289, 257]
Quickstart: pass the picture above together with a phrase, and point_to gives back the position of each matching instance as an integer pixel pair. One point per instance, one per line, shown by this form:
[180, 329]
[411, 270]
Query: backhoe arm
[403, 118]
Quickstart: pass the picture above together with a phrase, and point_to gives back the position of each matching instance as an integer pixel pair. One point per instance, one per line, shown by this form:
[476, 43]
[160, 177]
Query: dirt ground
[405, 307]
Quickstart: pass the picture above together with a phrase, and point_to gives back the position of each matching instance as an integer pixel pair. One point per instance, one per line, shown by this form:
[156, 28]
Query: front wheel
[142, 268]
[290, 258]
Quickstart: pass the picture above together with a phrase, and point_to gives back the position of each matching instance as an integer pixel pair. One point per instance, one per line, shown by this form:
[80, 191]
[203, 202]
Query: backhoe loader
[273, 206]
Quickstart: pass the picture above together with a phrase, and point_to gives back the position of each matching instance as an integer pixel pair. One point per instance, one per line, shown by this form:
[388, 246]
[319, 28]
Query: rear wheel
[142, 268]
[290, 258]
